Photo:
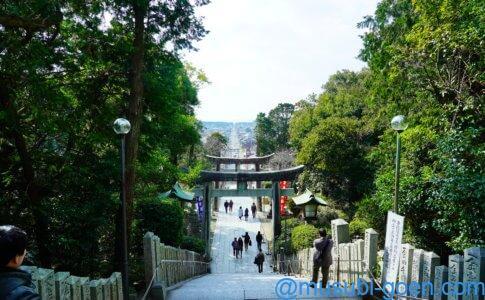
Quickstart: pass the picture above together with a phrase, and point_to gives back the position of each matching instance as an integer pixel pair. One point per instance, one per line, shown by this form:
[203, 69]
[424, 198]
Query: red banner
[283, 199]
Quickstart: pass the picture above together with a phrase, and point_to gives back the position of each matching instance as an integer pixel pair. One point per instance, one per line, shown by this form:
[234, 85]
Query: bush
[325, 215]
[165, 218]
[193, 243]
[303, 236]
[358, 227]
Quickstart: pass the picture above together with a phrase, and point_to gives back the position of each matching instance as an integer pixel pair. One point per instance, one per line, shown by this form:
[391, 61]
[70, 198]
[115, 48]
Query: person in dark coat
[259, 260]
[253, 210]
[230, 205]
[15, 284]
[235, 246]
[246, 214]
[240, 244]
[259, 240]
[322, 258]
[226, 205]
[247, 240]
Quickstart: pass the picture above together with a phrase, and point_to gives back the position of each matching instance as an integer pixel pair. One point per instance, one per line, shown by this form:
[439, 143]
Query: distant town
[244, 130]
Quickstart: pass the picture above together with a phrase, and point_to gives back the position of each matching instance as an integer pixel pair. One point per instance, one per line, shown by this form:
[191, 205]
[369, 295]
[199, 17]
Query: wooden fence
[354, 260]
[62, 286]
[169, 265]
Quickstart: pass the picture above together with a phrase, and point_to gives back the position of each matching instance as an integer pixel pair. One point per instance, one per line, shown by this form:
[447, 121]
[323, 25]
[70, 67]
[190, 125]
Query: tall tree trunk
[135, 110]
[33, 190]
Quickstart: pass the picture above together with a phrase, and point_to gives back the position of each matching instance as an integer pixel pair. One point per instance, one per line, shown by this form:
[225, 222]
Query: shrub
[325, 215]
[165, 218]
[358, 227]
[193, 243]
[303, 236]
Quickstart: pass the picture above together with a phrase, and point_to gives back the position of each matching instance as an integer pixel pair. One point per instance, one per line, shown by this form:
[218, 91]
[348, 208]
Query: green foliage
[193, 243]
[163, 218]
[425, 60]
[271, 131]
[325, 215]
[66, 75]
[357, 227]
[302, 236]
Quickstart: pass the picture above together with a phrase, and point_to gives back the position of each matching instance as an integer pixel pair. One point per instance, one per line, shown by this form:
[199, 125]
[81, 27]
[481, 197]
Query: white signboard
[392, 248]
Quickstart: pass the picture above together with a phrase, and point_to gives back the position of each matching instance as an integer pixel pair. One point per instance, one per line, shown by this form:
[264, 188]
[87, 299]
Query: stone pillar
[430, 262]
[474, 272]
[74, 287]
[440, 277]
[340, 233]
[149, 257]
[405, 266]
[44, 280]
[417, 270]
[455, 274]
[96, 290]
[370, 249]
[360, 256]
[63, 290]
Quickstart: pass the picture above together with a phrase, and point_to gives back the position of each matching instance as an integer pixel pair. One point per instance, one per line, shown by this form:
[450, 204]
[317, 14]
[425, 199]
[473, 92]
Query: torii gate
[256, 161]
[242, 177]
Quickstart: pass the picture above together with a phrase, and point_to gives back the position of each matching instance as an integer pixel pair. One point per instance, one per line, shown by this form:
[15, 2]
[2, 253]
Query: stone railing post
[370, 249]
[440, 277]
[417, 270]
[430, 261]
[474, 272]
[360, 256]
[74, 287]
[96, 290]
[149, 256]
[405, 266]
[63, 291]
[455, 274]
[85, 288]
[44, 280]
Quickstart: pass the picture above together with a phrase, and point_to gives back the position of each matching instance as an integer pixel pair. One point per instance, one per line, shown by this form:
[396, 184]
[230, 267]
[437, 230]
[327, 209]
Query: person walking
[259, 240]
[241, 213]
[240, 245]
[253, 210]
[226, 205]
[247, 241]
[246, 214]
[322, 258]
[259, 260]
[234, 245]
[15, 284]
[230, 205]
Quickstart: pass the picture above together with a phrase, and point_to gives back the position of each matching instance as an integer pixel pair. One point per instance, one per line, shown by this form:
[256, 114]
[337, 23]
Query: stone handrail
[53, 285]
[353, 260]
[168, 265]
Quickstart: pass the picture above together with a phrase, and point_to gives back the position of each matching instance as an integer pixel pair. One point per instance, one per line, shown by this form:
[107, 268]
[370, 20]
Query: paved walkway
[233, 278]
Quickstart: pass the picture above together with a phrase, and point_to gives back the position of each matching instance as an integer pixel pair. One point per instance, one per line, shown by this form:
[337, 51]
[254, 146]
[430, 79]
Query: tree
[215, 144]
[271, 131]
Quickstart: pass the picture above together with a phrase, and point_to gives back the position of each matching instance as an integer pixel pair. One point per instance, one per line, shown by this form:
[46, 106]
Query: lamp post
[399, 124]
[122, 127]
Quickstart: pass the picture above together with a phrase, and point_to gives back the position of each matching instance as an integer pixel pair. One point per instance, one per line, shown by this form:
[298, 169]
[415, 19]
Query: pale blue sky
[262, 52]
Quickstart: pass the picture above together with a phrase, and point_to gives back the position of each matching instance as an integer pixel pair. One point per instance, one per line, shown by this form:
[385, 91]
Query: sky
[259, 53]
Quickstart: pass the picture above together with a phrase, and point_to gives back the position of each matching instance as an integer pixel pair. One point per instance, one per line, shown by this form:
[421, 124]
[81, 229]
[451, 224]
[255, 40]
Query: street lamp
[122, 127]
[399, 124]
